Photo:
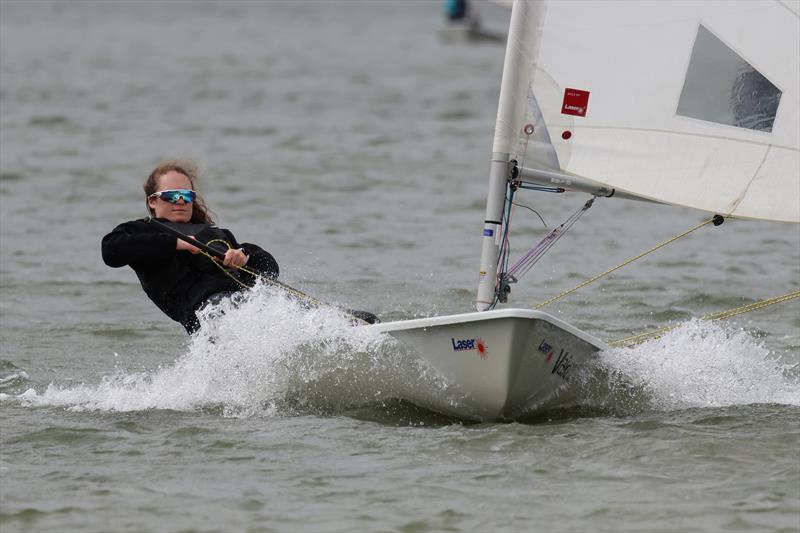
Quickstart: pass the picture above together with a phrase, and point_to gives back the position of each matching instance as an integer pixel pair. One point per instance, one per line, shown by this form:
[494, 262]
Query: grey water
[348, 140]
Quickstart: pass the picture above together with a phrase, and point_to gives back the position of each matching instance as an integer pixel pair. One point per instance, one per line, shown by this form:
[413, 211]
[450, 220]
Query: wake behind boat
[690, 104]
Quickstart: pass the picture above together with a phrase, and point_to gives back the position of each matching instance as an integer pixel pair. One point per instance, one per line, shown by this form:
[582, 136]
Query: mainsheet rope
[636, 339]
[720, 315]
[218, 262]
[716, 219]
[298, 294]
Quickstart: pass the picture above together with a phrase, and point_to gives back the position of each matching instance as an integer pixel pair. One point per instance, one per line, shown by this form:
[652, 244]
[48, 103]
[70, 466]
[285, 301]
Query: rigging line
[526, 262]
[216, 262]
[721, 315]
[255, 274]
[275, 283]
[751, 307]
[505, 247]
[270, 281]
[532, 209]
[504, 254]
[511, 187]
[713, 219]
[505, 244]
[526, 186]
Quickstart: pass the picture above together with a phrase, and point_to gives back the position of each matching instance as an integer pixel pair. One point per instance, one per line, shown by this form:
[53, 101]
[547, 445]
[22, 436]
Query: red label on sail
[575, 102]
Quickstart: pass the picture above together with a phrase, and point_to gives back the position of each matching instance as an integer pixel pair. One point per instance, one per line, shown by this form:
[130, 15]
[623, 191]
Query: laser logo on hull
[464, 345]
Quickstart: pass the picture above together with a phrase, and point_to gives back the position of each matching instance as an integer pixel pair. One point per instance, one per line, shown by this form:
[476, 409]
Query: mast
[523, 36]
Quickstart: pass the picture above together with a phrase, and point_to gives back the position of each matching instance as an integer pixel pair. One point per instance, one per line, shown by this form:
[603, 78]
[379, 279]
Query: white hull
[498, 365]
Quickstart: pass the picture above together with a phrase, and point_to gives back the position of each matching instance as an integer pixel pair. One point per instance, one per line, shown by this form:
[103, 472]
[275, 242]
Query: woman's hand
[235, 258]
[183, 245]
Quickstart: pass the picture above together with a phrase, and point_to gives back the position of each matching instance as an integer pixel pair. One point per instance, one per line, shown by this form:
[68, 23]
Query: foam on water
[13, 379]
[263, 355]
[705, 364]
[270, 355]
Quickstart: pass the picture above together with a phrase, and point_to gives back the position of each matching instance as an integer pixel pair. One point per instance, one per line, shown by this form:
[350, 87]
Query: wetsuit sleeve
[135, 243]
[261, 260]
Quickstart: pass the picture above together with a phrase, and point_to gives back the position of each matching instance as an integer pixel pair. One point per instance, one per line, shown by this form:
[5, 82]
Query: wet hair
[187, 167]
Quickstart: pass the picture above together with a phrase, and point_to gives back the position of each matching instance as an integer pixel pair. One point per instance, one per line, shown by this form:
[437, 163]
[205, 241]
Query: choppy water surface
[351, 143]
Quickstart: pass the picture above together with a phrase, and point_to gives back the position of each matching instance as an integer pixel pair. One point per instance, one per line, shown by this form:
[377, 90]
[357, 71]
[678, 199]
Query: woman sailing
[173, 273]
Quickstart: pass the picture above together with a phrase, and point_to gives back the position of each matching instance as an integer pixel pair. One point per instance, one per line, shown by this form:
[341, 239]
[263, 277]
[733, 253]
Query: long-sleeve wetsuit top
[177, 281]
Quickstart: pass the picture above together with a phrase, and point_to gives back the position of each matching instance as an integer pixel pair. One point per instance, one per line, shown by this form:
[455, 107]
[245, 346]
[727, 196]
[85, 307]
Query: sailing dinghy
[690, 104]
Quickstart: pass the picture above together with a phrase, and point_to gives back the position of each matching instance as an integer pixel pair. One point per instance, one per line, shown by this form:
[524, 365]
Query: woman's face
[179, 212]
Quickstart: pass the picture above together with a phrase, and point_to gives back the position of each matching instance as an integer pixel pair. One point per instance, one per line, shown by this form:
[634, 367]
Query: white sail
[690, 103]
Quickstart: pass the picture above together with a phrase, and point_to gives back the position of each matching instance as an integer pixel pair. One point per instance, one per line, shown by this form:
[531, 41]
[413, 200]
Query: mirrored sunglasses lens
[173, 196]
[170, 196]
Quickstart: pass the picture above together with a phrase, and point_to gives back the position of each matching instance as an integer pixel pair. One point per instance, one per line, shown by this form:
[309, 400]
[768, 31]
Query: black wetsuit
[177, 281]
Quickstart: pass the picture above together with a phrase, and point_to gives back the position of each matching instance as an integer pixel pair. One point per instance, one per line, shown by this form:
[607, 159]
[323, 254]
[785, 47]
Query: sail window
[722, 87]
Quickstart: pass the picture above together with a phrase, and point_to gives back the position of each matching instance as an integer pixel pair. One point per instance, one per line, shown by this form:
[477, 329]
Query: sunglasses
[173, 195]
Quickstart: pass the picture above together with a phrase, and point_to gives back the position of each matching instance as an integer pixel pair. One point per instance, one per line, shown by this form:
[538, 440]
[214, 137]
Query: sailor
[459, 11]
[172, 272]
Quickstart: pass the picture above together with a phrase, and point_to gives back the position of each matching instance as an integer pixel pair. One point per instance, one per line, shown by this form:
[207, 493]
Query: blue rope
[505, 254]
[523, 185]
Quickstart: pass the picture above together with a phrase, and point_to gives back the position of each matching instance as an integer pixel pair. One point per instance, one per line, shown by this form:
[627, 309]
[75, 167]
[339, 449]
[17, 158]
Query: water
[353, 145]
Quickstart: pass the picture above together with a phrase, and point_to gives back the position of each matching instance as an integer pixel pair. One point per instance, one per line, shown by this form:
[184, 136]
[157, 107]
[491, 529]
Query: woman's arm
[135, 242]
[255, 258]
[261, 260]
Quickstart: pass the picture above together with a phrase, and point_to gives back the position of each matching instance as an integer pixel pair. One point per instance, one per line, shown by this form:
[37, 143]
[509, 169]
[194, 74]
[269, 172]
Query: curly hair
[187, 167]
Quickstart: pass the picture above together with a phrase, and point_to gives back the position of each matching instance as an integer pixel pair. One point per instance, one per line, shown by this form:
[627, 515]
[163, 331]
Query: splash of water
[13, 379]
[261, 355]
[704, 364]
[268, 355]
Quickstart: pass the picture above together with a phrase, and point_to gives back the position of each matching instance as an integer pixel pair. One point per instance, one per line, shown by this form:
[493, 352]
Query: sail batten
[691, 104]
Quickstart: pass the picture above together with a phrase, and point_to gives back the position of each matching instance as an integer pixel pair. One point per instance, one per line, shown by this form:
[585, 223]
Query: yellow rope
[629, 261]
[218, 262]
[751, 307]
[268, 280]
[636, 339]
